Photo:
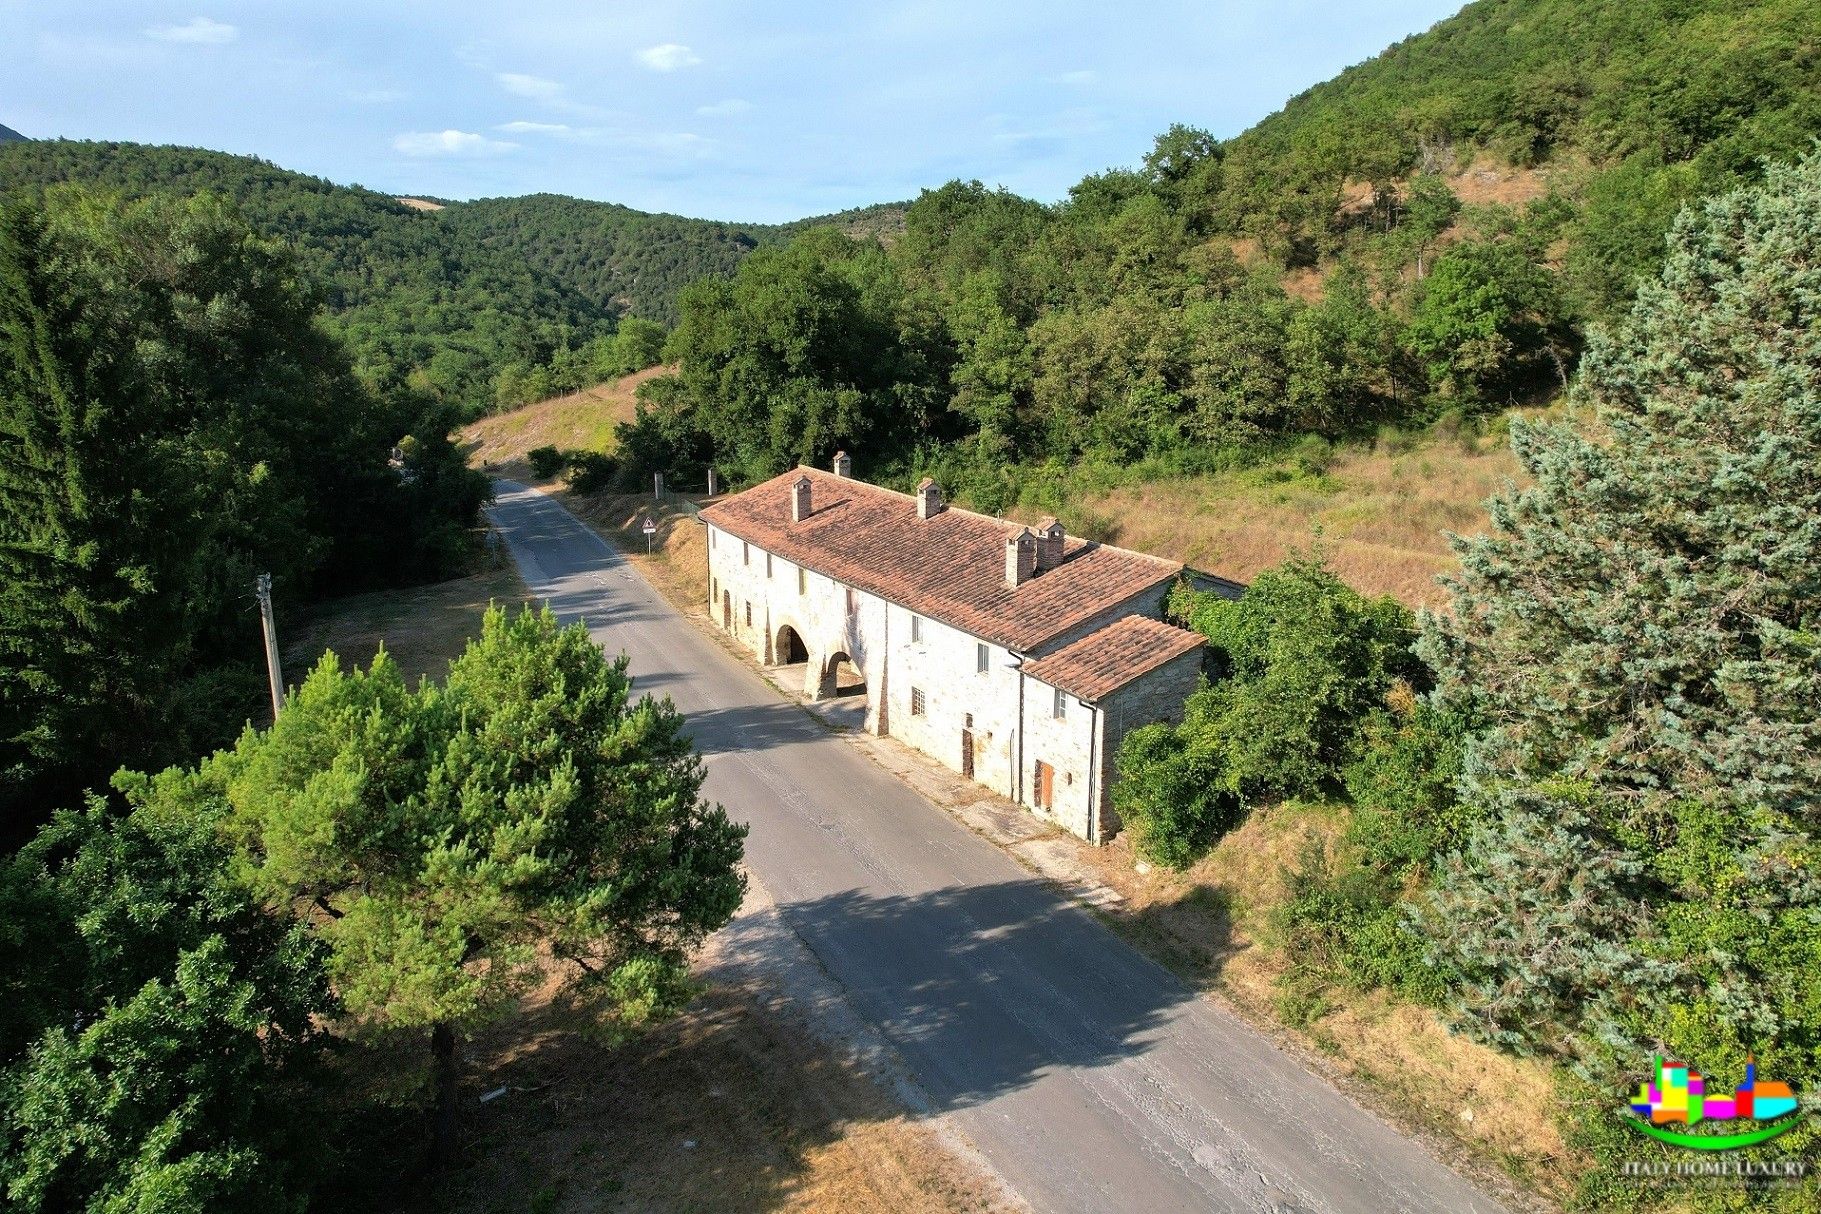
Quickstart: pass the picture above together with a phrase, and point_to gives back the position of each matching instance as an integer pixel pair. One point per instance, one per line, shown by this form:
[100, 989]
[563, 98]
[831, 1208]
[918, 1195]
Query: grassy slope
[1382, 512]
[580, 421]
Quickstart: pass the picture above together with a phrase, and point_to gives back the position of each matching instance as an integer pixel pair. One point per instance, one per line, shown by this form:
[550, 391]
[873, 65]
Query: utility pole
[262, 586]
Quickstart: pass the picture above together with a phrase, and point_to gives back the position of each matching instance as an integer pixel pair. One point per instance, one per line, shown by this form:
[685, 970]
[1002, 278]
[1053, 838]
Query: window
[749, 625]
[983, 656]
[916, 630]
[802, 580]
[745, 553]
[853, 601]
[1059, 709]
[916, 701]
[768, 564]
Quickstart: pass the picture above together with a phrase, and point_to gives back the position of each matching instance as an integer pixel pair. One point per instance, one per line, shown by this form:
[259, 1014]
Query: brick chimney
[1020, 558]
[843, 465]
[1049, 544]
[929, 499]
[799, 500]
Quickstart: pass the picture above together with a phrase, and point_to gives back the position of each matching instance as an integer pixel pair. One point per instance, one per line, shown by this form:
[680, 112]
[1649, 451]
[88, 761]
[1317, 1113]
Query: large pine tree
[1642, 631]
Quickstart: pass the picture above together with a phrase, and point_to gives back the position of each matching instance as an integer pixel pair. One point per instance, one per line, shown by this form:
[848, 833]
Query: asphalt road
[1088, 1076]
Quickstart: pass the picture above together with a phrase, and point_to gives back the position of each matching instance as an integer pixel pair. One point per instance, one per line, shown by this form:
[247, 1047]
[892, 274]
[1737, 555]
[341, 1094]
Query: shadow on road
[983, 989]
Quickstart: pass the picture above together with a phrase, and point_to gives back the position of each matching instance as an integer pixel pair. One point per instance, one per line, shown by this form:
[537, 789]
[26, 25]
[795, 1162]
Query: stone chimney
[843, 465]
[1020, 558]
[929, 499]
[1049, 544]
[799, 500]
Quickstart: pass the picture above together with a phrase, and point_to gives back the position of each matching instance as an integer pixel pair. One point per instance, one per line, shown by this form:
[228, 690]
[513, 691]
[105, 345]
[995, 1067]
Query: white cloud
[725, 109]
[668, 57]
[450, 143]
[529, 86]
[199, 31]
[534, 128]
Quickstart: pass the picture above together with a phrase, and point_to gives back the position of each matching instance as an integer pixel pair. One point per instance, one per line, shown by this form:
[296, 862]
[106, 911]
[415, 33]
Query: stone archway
[841, 677]
[788, 648]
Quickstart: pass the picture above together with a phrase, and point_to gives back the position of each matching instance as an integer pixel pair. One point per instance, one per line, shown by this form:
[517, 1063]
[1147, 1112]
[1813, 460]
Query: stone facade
[947, 691]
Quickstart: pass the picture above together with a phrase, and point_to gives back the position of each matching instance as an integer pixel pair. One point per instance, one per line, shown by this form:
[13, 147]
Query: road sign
[650, 529]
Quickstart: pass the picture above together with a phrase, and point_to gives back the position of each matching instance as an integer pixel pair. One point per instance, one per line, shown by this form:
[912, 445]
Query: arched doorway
[843, 689]
[789, 650]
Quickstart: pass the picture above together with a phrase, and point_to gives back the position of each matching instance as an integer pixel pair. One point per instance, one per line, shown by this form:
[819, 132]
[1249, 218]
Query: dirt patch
[421, 204]
[580, 421]
[422, 627]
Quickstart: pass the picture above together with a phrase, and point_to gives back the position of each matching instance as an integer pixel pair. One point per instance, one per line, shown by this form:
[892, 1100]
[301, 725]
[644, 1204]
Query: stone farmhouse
[1018, 658]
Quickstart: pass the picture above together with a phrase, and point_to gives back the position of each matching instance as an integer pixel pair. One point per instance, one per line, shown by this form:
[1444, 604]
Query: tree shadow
[983, 989]
[734, 1105]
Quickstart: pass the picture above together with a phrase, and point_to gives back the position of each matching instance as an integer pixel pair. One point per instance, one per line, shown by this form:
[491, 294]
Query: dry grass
[422, 627]
[732, 1106]
[580, 421]
[1381, 513]
[1212, 925]
[421, 204]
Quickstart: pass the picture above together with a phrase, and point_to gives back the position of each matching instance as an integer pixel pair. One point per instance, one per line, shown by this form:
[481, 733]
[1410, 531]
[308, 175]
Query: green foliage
[1299, 663]
[1640, 635]
[623, 261]
[1172, 795]
[422, 306]
[590, 471]
[175, 421]
[159, 1031]
[449, 833]
[545, 461]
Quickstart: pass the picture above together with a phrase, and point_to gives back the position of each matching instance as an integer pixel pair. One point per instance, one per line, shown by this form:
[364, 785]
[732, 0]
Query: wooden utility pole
[262, 586]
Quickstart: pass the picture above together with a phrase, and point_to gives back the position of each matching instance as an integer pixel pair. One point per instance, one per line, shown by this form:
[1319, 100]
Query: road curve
[1090, 1077]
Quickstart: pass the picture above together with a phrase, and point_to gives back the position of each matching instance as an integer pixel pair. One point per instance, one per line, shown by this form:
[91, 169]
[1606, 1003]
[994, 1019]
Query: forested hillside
[630, 262]
[1321, 276]
[418, 305]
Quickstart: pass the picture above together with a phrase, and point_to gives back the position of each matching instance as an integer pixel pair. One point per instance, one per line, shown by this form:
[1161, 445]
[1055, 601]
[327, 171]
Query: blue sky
[746, 112]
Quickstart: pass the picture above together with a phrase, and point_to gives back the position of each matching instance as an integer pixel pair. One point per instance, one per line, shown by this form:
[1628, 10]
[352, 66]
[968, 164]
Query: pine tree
[1642, 632]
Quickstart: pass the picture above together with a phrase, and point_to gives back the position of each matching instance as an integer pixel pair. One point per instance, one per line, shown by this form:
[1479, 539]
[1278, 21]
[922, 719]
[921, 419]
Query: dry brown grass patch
[422, 627]
[580, 421]
[731, 1106]
[1381, 514]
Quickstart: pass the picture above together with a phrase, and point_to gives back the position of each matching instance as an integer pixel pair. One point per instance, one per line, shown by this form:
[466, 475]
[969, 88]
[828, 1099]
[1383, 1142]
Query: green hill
[418, 303]
[1628, 108]
[632, 262]
[9, 135]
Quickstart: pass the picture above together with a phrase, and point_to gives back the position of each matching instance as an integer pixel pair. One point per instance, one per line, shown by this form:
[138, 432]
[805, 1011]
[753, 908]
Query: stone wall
[1158, 696]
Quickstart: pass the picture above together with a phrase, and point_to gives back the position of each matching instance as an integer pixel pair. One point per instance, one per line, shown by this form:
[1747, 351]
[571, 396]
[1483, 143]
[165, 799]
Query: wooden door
[1046, 785]
[726, 609]
[967, 753]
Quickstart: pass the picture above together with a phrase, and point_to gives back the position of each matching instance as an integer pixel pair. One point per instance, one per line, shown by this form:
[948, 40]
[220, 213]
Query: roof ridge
[1010, 525]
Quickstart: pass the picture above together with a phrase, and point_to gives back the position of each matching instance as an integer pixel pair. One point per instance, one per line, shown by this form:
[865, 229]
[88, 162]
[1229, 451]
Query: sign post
[650, 529]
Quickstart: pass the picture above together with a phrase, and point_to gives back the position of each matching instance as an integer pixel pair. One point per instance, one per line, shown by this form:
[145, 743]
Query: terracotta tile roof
[1107, 659]
[950, 567]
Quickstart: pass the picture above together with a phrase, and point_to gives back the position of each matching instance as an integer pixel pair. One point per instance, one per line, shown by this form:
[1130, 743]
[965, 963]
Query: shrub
[545, 461]
[590, 471]
[1173, 796]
